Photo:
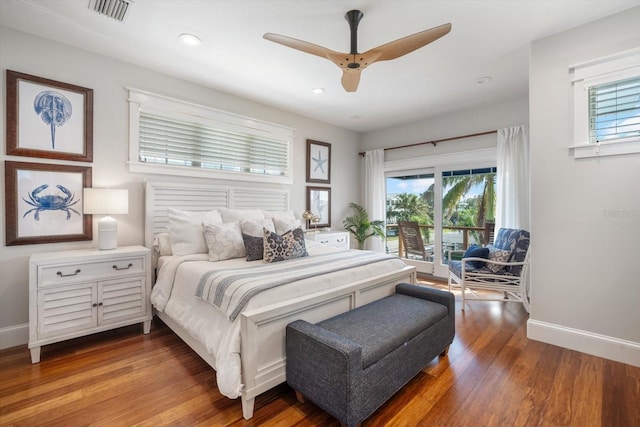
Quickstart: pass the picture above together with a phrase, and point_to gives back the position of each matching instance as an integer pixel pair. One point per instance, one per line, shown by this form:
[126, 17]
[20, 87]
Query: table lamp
[106, 201]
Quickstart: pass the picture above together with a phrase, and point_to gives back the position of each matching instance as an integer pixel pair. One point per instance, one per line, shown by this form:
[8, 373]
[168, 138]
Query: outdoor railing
[447, 243]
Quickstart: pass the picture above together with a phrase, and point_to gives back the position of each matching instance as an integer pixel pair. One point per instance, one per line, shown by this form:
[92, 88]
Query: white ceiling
[488, 38]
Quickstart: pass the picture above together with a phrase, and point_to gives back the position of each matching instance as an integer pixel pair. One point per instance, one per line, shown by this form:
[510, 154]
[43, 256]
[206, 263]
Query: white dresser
[75, 293]
[338, 239]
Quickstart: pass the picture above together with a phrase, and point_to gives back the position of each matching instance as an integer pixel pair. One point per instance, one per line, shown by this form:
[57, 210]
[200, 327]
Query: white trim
[140, 100]
[619, 66]
[13, 336]
[606, 148]
[604, 346]
[605, 64]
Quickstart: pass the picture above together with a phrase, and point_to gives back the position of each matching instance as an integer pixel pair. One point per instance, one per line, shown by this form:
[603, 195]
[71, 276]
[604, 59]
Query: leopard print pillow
[279, 248]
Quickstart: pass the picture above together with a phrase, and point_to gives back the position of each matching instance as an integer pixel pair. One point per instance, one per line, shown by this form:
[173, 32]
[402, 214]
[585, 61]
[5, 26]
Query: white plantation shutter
[614, 111]
[182, 138]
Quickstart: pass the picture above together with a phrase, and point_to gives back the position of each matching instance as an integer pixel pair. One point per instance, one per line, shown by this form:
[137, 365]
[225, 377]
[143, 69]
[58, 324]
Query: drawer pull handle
[324, 241]
[340, 240]
[115, 267]
[59, 273]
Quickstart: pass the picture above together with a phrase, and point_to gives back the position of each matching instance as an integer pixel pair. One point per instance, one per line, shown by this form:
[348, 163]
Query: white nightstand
[75, 293]
[338, 239]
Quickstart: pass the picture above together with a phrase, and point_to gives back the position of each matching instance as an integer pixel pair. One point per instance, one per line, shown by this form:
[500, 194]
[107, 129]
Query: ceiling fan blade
[301, 45]
[350, 79]
[400, 47]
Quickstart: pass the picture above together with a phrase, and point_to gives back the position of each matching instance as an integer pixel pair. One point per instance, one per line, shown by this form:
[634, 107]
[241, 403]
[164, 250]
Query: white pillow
[162, 244]
[283, 215]
[224, 241]
[185, 230]
[232, 215]
[284, 225]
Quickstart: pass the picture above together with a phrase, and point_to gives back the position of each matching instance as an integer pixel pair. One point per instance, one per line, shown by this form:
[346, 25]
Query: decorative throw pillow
[224, 241]
[500, 255]
[289, 245]
[185, 230]
[253, 237]
[283, 225]
[475, 251]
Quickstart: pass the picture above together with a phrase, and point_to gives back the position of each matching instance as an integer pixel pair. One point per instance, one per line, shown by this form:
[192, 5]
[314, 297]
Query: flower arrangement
[311, 218]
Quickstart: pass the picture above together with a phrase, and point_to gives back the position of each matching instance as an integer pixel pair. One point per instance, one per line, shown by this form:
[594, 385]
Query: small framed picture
[318, 162]
[319, 203]
[44, 203]
[48, 119]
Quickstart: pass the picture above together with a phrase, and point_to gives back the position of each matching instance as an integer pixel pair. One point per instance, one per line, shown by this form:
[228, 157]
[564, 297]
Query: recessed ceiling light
[190, 39]
[483, 80]
[318, 90]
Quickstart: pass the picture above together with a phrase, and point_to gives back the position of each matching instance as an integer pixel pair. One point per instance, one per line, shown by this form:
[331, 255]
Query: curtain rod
[437, 141]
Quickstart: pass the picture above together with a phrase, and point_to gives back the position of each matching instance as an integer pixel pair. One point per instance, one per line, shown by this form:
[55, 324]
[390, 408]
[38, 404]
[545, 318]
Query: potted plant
[361, 226]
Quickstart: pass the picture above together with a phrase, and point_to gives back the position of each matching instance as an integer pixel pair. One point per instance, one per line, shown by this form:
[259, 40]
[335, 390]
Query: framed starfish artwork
[318, 162]
[48, 119]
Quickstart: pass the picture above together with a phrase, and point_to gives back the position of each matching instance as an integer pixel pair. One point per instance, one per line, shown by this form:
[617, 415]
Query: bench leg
[444, 352]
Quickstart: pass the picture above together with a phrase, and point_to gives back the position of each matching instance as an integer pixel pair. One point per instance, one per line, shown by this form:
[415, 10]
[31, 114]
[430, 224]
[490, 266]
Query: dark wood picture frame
[318, 162]
[319, 203]
[39, 110]
[37, 214]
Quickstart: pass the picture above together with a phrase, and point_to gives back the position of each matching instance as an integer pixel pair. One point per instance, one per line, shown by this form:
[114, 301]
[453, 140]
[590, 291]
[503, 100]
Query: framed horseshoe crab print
[44, 203]
[48, 119]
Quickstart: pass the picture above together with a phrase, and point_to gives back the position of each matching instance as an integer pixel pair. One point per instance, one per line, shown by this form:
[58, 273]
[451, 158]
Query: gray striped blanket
[229, 290]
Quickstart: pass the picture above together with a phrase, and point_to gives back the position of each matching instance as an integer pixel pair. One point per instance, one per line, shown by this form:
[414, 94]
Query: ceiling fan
[353, 63]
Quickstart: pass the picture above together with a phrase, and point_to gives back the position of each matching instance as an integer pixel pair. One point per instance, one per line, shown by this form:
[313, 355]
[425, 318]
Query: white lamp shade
[106, 201]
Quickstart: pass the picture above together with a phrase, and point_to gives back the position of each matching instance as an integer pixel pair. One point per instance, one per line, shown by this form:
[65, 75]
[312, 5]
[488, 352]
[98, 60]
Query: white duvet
[174, 294]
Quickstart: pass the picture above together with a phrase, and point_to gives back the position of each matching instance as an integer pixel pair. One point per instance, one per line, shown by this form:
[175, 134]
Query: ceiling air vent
[116, 9]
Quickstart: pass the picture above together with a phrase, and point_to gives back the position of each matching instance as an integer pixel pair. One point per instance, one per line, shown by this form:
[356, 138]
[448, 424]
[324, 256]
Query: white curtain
[512, 204]
[374, 196]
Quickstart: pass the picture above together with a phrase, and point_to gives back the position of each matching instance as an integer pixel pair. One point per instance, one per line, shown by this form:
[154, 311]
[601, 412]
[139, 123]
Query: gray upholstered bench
[350, 364]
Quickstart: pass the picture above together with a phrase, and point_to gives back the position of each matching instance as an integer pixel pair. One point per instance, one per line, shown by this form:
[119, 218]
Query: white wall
[108, 78]
[512, 112]
[585, 214]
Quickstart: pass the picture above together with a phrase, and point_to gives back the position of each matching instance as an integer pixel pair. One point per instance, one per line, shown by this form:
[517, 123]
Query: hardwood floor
[492, 376]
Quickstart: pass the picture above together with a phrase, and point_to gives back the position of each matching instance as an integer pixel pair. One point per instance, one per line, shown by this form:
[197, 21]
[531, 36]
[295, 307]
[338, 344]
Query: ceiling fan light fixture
[318, 90]
[190, 39]
[354, 62]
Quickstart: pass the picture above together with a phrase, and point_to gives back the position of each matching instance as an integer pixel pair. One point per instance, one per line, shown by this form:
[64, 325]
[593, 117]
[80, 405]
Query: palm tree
[361, 226]
[406, 206]
[459, 186]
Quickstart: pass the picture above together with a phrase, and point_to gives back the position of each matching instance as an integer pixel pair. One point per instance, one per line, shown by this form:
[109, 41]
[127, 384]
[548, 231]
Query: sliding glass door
[410, 198]
[451, 206]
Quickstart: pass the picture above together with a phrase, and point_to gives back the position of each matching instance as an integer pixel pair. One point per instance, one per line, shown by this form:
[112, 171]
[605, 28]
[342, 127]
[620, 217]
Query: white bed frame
[262, 330]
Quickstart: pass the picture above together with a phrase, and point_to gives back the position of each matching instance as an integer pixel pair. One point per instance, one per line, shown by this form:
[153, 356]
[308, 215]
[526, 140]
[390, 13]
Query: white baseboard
[13, 336]
[604, 346]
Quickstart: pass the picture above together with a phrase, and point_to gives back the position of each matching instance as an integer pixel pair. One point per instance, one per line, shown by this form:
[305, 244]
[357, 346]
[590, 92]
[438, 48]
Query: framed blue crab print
[48, 119]
[318, 162]
[44, 203]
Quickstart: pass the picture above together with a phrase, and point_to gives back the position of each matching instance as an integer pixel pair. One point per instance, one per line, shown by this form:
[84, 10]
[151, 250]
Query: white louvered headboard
[202, 197]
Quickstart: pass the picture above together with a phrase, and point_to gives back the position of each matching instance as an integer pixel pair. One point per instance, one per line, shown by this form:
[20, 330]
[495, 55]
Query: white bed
[248, 352]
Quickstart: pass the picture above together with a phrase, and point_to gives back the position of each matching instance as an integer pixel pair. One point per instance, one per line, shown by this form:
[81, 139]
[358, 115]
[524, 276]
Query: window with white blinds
[174, 137]
[614, 111]
[606, 105]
